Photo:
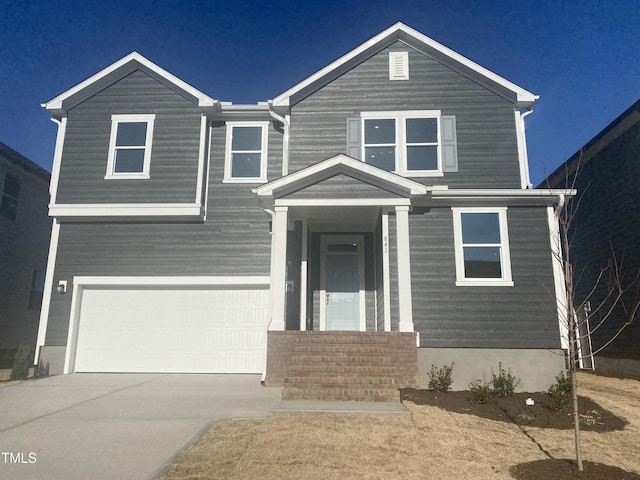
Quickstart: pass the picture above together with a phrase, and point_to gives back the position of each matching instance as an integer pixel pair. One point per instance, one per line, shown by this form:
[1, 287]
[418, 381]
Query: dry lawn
[432, 443]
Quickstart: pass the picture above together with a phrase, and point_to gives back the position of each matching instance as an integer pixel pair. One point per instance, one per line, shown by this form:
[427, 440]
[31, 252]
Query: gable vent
[398, 65]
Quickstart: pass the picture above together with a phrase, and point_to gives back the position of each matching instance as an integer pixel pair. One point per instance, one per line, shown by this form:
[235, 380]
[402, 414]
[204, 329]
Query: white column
[386, 280]
[404, 269]
[278, 287]
[303, 278]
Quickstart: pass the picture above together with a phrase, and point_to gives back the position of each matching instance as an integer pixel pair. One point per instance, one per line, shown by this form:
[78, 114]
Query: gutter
[285, 140]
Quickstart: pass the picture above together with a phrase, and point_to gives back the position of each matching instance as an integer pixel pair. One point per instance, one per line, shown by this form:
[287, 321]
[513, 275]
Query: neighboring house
[389, 192]
[607, 224]
[25, 228]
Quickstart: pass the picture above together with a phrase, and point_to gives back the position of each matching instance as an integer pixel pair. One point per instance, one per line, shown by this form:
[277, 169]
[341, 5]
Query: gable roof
[10, 155]
[399, 31]
[118, 70]
[340, 164]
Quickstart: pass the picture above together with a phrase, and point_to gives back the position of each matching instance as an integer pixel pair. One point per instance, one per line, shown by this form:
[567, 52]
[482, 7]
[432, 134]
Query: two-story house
[385, 198]
[24, 239]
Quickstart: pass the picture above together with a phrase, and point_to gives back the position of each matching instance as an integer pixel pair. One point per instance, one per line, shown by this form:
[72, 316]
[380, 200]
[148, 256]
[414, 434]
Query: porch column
[405, 309]
[279, 268]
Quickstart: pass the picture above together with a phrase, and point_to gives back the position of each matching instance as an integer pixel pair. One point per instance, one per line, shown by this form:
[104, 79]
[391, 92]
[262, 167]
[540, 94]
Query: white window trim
[115, 121]
[400, 118]
[228, 178]
[505, 256]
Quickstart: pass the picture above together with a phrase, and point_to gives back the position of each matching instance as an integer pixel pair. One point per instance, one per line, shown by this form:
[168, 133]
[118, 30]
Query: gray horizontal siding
[174, 152]
[522, 316]
[487, 145]
[341, 186]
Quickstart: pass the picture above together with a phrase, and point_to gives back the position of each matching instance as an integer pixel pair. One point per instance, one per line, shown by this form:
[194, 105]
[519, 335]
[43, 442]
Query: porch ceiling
[337, 219]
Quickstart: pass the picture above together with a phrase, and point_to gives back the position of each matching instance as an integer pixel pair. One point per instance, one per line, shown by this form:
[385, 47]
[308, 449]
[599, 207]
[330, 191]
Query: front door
[342, 292]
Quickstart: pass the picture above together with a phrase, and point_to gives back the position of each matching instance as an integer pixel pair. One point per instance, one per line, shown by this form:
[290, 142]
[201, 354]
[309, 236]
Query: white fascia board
[357, 166]
[524, 97]
[176, 281]
[126, 210]
[56, 103]
[343, 202]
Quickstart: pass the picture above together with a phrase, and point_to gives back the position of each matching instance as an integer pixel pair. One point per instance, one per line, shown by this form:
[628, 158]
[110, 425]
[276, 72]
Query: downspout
[273, 220]
[285, 139]
[525, 155]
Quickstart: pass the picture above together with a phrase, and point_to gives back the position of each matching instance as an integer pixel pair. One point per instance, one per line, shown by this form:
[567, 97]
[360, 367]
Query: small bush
[560, 393]
[480, 392]
[20, 369]
[505, 383]
[440, 379]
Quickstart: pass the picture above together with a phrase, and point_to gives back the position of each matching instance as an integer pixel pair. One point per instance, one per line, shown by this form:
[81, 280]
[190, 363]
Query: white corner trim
[72, 335]
[48, 288]
[558, 276]
[125, 210]
[505, 253]
[202, 155]
[523, 156]
[279, 269]
[57, 157]
[203, 100]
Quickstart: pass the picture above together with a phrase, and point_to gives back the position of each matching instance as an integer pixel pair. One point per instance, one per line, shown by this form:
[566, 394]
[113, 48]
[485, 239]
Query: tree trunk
[576, 419]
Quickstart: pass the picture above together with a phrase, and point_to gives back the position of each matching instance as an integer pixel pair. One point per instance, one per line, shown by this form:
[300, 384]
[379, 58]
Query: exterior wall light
[62, 287]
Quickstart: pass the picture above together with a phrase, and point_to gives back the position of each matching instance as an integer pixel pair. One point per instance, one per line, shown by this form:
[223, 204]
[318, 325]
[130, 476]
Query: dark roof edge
[612, 131]
[23, 162]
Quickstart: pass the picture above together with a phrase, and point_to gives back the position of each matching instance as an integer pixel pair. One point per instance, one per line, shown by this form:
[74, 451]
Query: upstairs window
[246, 152]
[482, 246]
[37, 289]
[10, 195]
[130, 146]
[407, 143]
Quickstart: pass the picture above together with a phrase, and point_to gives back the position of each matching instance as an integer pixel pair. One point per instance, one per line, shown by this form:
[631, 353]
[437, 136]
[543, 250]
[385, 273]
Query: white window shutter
[398, 65]
[449, 143]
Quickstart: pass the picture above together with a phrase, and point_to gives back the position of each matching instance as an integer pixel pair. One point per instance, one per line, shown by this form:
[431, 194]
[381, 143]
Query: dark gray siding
[341, 186]
[234, 240]
[607, 221]
[486, 132]
[174, 152]
[522, 316]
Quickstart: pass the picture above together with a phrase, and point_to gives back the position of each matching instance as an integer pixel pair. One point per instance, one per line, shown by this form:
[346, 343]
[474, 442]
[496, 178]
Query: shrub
[504, 384]
[20, 369]
[480, 392]
[440, 379]
[560, 393]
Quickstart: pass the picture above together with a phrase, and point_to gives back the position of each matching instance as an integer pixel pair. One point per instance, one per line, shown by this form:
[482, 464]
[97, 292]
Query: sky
[581, 57]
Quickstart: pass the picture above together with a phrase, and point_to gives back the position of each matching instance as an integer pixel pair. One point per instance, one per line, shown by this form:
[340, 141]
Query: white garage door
[191, 330]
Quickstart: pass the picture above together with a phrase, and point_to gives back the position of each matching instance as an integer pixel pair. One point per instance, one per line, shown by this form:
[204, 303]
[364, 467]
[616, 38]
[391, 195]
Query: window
[407, 143]
[130, 146]
[482, 246]
[37, 288]
[246, 152]
[10, 196]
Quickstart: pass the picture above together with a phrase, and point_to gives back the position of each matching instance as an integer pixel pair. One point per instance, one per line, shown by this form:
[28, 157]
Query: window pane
[482, 262]
[129, 161]
[132, 134]
[12, 186]
[245, 165]
[8, 207]
[380, 131]
[422, 130]
[381, 157]
[480, 228]
[422, 158]
[246, 138]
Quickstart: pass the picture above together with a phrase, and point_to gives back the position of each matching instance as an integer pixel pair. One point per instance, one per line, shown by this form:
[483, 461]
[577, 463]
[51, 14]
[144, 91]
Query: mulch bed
[514, 410]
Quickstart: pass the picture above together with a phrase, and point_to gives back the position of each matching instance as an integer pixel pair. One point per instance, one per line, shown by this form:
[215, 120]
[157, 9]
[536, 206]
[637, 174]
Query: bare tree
[613, 291]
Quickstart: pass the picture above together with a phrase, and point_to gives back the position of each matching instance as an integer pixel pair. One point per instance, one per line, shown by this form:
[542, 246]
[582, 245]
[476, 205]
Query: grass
[431, 443]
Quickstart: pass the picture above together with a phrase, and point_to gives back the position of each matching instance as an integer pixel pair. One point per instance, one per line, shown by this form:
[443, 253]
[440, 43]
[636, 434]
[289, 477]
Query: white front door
[342, 293]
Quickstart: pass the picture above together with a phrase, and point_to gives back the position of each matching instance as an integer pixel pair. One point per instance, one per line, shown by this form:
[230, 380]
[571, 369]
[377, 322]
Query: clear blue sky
[581, 57]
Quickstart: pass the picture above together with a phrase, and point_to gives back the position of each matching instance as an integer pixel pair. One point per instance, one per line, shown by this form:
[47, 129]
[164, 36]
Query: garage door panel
[172, 330]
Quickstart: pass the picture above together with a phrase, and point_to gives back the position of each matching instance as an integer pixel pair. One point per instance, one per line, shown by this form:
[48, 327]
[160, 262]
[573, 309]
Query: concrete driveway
[124, 426]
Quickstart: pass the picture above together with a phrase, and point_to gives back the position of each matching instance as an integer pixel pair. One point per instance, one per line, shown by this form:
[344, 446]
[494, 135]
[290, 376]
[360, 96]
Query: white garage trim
[95, 282]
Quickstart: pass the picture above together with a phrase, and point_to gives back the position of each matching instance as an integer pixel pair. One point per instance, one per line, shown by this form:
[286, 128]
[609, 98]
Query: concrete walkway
[130, 426]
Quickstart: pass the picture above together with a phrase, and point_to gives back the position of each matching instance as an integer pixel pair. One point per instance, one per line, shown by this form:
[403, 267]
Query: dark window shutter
[353, 137]
[449, 143]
